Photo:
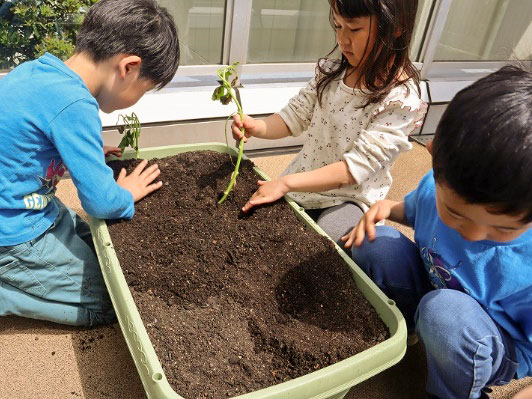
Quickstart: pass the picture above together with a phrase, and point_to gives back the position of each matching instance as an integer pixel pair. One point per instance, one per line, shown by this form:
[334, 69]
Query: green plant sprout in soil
[225, 94]
[130, 128]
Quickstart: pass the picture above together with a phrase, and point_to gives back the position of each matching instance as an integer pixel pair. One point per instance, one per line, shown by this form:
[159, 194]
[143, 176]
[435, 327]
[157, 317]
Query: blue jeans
[466, 350]
[55, 276]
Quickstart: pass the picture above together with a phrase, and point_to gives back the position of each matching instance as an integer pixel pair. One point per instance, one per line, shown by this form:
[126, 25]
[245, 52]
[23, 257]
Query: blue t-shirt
[49, 123]
[498, 275]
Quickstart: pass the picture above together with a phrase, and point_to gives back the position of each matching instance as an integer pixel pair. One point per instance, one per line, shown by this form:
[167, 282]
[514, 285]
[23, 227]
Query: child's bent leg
[339, 220]
[465, 349]
[55, 277]
[392, 261]
[14, 301]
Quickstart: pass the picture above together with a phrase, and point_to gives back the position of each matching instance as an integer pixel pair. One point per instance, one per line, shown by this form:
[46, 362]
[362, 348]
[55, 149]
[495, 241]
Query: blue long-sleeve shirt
[498, 275]
[49, 122]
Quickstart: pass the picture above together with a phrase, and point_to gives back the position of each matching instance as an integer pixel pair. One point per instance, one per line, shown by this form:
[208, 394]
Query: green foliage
[29, 28]
[225, 94]
[131, 130]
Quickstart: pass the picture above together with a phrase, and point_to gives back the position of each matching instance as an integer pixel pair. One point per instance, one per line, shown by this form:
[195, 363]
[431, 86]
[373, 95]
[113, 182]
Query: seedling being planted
[225, 93]
[130, 128]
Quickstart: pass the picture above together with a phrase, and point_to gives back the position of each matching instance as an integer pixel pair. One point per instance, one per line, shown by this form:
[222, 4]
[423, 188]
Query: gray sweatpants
[337, 220]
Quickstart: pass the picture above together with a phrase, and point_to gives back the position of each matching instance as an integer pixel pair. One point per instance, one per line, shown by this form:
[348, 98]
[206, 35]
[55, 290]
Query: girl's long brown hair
[387, 65]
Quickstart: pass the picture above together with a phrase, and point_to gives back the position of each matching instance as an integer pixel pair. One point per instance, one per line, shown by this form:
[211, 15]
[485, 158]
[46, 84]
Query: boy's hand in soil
[140, 182]
[269, 191]
[110, 150]
[254, 127]
[380, 211]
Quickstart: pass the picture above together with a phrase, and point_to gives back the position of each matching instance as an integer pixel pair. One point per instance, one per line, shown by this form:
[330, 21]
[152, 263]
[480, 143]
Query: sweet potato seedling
[225, 94]
[130, 128]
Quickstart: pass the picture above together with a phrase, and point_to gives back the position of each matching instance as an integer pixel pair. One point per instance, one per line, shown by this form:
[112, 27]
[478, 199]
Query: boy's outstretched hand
[111, 150]
[269, 191]
[140, 182]
[380, 211]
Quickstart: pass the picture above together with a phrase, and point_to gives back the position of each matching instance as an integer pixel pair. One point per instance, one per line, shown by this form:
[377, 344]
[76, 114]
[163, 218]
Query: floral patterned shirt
[369, 139]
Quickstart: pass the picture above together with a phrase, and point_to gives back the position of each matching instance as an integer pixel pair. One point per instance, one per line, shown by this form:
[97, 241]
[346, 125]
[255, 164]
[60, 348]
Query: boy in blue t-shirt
[465, 286]
[49, 124]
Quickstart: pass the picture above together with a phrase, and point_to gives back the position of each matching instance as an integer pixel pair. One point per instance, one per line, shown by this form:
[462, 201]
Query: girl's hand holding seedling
[111, 150]
[269, 191]
[385, 209]
[272, 127]
[140, 182]
[253, 127]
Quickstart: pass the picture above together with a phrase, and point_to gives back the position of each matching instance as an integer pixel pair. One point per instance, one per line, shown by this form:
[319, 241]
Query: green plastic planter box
[332, 382]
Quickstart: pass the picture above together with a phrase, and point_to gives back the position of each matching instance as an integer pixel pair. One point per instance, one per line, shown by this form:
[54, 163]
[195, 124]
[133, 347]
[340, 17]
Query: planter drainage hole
[391, 302]
[157, 377]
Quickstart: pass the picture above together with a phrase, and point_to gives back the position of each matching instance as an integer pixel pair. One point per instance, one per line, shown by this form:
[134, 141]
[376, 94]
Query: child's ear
[129, 64]
[429, 147]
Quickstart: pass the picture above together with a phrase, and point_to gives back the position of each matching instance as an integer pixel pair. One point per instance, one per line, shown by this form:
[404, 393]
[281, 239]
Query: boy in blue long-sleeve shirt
[465, 286]
[50, 123]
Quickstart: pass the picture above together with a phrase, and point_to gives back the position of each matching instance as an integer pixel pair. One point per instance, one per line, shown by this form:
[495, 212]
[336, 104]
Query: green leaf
[226, 99]
[218, 93]
[124, 143]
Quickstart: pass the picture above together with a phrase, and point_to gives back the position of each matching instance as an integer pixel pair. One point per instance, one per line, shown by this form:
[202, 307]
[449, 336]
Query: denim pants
[466, 350]
[55, 276]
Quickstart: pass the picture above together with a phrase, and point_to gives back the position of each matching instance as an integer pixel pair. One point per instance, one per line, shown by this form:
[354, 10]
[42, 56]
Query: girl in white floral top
[357, 114]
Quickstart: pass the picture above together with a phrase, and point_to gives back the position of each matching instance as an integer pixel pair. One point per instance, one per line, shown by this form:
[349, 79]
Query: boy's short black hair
[482, 149]
[136, 27]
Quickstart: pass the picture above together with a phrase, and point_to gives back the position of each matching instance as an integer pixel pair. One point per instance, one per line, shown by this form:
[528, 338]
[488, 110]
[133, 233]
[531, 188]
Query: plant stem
[136, 129]
[240, 145]
[235, 172]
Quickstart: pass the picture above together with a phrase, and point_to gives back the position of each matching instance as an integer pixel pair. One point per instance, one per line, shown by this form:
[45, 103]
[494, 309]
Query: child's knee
[388, 243]
[369, 250]
[444, 315]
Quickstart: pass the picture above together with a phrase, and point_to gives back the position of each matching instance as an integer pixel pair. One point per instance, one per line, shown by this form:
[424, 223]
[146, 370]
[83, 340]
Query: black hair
[482, 148]
[135, 27]
[387, 65]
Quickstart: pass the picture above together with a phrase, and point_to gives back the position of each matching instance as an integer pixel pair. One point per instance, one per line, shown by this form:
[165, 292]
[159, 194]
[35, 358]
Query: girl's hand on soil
[380, 211]
[251, 125]
[140, 182]
[110, 150]
[269, 191]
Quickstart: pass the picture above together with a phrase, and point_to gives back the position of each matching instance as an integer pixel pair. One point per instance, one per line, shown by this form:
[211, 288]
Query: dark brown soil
[234, 303]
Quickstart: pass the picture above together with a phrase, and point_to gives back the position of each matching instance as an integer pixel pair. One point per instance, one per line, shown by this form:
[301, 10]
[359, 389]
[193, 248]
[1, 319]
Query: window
[424, 10]
[289, 31]
[201, 29]
[487, 30]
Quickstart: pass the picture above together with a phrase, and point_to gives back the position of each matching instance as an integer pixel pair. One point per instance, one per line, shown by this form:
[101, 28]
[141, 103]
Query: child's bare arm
[385, 209]
[332, 176]
[323, 179]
